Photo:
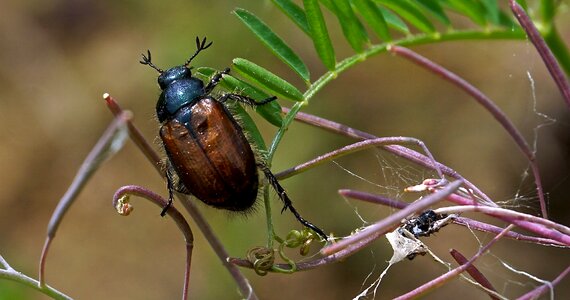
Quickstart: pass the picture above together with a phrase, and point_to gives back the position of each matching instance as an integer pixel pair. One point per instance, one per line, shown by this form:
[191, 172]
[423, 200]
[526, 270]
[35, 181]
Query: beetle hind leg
[287, 204]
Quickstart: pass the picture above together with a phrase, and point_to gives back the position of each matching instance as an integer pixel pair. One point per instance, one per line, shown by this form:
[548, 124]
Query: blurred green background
[58, 57]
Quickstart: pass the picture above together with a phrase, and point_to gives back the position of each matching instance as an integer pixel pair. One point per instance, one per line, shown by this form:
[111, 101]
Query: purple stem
[102, 149]
[455, 272]
[242, 282]
[469, 223]
[400, 151]
[534, 294]
[523, 223]
[474, 272]
[358, 147]
[373, 198]
[173, 213]
[308, 265]
[151, 155]
[543, 49]
[476, 225]
[382, 226]
[136, 135]
[487, 103]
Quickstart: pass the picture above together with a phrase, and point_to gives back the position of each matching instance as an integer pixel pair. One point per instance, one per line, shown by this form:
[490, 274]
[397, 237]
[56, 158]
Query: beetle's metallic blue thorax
[179, 89]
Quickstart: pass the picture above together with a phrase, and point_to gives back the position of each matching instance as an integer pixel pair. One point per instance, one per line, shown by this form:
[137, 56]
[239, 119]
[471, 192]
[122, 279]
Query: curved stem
[557, 231]
[488, 104]
[376, 49]
[543, 49]
[110, 142]
[400, 151]
[204, 227]
[359, 146]
[123, 207]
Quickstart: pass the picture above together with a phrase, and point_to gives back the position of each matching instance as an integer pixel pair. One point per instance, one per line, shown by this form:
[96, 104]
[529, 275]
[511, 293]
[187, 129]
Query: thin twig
[135, 133]
[383, 225]
[417, 292]
[10, 273]
[543, 49]
[532, 223]
[123, 207]
[524, 224]
[488, 104]
[534, 294]
[109, 143]
[469, 223]
[400, 151]
[204, 227]
[352, 148]
[474, 272]
[242, 282]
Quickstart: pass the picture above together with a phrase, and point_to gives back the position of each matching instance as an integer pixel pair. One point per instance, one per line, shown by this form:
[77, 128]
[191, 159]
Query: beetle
[209, 156]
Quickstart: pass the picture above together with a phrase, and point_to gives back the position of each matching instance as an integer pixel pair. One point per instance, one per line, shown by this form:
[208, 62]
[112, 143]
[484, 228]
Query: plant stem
[347, 63]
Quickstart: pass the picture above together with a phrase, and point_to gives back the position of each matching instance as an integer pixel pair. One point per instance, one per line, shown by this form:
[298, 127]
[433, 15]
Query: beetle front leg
[170, 187]
[245, 99]
[215, 80]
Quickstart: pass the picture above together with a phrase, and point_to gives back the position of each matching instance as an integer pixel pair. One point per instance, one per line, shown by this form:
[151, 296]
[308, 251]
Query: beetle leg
[245, 99]
[215, 80]
[287, 202]
[170, 187]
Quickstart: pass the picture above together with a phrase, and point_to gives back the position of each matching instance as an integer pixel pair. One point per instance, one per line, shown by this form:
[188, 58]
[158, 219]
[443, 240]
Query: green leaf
[473, 10]
[270, 111]
[266, 79]
[320, 34]
[248, 125]
[353, 30]
[409, 11]
[273, 42]
[373, 16]
[492, 8]
[436, 10]
[394, 21]
[295, 13]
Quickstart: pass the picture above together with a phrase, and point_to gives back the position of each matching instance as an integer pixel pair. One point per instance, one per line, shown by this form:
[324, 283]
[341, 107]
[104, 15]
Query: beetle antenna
[146, 61]
[200, 45]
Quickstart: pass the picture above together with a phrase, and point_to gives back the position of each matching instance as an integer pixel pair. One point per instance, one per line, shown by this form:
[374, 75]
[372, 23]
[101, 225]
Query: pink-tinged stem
[382, 226]
[488, 104]
[110, 142]
[439, 281]
[474, 272]
[534, 294]
[543, 49]
[397, 150]
[124, 208]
